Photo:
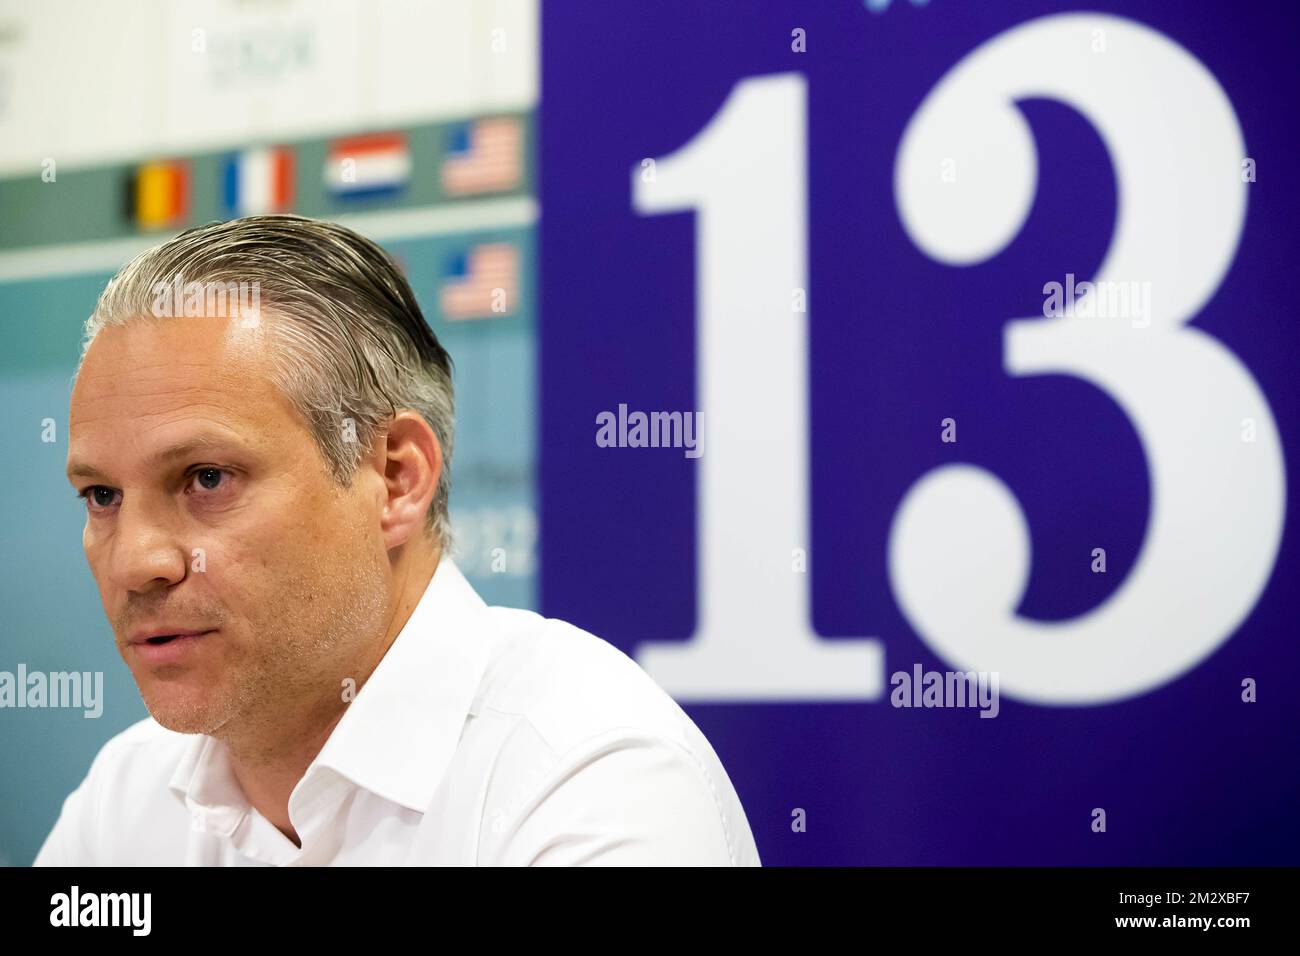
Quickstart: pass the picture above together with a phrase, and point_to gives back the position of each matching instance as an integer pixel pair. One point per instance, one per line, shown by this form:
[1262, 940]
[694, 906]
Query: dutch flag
[258, 181]
[363, 166]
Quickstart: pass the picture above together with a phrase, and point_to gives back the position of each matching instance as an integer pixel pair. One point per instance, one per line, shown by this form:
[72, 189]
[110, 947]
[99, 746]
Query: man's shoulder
[141, 756]
[624, 776]
[122, 811]
[571, 685]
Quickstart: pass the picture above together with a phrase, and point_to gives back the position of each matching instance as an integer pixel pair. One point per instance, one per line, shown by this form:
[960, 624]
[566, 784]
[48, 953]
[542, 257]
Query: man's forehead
[161, 346]
[189, 440]
[178, 381]
[170, 360]
[141, 388]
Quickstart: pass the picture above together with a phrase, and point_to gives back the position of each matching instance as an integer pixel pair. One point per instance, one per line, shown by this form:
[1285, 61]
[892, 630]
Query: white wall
[88, 82]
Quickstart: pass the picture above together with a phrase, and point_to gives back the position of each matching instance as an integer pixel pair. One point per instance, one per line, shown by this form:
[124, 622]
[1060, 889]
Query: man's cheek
[229, 582]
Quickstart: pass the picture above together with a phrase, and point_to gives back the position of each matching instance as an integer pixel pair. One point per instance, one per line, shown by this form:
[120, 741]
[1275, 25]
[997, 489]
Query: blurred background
[827, 233]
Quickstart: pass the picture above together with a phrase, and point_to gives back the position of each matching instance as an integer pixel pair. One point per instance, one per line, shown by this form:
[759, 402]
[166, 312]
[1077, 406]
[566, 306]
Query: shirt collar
[399, 734]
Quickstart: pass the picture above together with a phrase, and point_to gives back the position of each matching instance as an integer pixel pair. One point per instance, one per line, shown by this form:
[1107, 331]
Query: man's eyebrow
[179, 450]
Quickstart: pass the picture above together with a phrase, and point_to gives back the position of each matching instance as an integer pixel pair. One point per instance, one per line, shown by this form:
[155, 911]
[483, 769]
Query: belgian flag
[158, 195]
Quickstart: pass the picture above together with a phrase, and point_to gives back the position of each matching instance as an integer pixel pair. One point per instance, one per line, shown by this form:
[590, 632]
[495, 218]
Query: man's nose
[146, 551]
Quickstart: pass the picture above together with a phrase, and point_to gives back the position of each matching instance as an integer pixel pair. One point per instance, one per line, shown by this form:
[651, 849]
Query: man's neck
[268, 764]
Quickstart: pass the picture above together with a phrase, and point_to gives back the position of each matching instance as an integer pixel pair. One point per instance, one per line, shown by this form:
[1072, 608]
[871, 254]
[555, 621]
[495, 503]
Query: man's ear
[409, 458]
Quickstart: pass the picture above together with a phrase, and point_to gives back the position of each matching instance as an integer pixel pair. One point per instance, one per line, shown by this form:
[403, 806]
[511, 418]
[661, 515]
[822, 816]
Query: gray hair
[352, 343]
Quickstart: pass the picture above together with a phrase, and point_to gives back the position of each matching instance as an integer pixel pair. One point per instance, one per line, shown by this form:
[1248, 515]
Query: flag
[258, 181]
[481, 283]
[159, 194]
[483, 156]
[364, 166]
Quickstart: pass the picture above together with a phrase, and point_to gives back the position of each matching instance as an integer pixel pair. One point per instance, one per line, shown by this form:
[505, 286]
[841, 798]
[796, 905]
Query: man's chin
[182, 712]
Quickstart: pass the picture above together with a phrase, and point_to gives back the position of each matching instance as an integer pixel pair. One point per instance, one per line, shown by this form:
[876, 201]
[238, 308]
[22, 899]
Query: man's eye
[209, 479]
[93, 497]
[100, 497]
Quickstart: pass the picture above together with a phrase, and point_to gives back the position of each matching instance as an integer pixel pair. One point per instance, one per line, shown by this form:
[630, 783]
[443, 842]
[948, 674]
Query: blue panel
[899, 341]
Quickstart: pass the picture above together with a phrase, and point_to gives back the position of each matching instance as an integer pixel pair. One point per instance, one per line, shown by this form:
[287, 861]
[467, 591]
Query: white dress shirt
[485, 736]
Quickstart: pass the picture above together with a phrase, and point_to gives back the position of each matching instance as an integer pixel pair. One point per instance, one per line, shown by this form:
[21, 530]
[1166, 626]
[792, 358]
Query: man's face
[244, 534]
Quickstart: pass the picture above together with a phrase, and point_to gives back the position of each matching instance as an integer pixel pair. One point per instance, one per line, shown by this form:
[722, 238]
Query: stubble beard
[321, 627]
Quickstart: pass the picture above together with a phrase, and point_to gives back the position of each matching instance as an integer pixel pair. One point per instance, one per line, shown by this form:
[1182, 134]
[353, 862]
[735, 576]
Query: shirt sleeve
[624, 800]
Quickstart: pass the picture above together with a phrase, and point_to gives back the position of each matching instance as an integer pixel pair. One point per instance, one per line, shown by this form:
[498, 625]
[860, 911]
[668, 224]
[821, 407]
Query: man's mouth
[163, 634]
[167, 638]
[169, 648]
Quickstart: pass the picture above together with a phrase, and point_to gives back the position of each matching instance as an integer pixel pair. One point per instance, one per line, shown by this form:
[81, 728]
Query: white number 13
[959, 553]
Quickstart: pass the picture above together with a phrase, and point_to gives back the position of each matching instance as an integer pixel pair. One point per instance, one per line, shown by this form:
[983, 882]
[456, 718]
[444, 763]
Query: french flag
[364, 166]
[258, 181]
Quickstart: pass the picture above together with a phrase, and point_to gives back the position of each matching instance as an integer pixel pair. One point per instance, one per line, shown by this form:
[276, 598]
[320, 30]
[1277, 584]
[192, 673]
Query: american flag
[481, 283]
[484, 156]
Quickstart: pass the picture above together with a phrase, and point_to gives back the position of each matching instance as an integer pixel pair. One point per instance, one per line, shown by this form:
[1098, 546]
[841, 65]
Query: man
[261, 426]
